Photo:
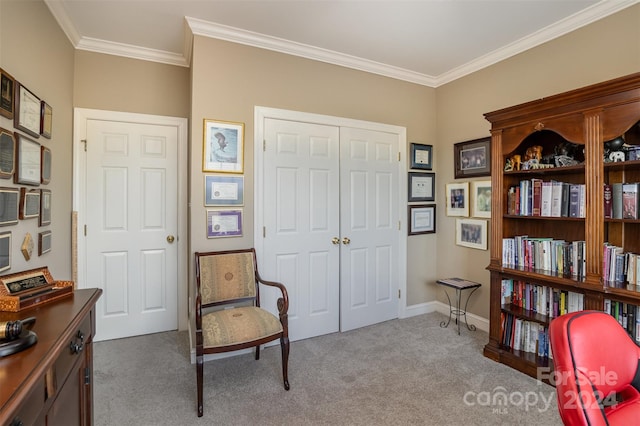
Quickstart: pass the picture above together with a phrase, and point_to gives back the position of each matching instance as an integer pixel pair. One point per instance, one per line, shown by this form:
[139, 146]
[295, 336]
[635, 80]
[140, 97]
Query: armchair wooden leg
[284, 346]
[257, 352]
[199, 368]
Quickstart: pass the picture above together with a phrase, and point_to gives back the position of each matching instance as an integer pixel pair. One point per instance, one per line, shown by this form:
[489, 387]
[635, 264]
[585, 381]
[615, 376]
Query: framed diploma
[29, 203]
[422, 186]
[421, 156]
[27, 113]
[45, 207]
[5, 251]
[46, 119]
[7, 153]
[45, 165]
[422, 219]
[7, 87]
[223, 190]
[44, 242]
[224, 223]
[223, 147]
[28, 157]
[9, 201]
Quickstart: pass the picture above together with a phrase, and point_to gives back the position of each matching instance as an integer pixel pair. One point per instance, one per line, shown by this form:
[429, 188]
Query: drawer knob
[78, 345]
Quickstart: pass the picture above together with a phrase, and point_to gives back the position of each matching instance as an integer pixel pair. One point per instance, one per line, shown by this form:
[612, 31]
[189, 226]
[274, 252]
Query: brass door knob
[335, 240]
[345, 241]
[170, 239]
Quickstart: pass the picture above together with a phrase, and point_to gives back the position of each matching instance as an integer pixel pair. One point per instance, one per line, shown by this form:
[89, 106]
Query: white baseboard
[426, 308]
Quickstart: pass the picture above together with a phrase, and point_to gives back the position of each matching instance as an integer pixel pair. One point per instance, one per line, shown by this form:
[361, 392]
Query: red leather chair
[597, 374]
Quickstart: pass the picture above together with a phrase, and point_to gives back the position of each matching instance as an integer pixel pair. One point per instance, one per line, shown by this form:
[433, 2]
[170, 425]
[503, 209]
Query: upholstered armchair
[228, 312]
[596, 370]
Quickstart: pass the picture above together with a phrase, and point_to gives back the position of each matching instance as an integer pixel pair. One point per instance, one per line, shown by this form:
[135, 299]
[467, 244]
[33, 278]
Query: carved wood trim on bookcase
[594, 180]
[498, 200]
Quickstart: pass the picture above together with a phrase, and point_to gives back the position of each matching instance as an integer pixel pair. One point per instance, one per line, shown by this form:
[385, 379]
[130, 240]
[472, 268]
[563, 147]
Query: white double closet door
[331, 225]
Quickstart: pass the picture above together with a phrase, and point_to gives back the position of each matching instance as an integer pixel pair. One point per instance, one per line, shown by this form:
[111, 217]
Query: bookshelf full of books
[565, 229]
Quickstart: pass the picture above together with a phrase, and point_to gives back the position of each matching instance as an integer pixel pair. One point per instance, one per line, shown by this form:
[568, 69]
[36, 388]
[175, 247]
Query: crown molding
[195, 26]
[587, 16]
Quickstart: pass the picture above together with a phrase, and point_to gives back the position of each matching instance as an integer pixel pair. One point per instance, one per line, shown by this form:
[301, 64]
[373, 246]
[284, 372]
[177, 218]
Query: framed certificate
[45, 207]
[224, 223]
[27, 113]
[421, 156]
[422, 219]
[7, 153]
[28, 158]
[422, 187]
[29, 203]
[45, 165]
[9, 202]
[44, 242]
[223, 190]
[7, 87]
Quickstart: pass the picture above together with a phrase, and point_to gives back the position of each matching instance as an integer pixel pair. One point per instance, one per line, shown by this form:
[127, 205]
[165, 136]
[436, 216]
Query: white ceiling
[428, 42]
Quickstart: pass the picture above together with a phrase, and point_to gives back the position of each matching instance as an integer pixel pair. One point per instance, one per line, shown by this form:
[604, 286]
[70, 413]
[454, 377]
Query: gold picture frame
[223, 147]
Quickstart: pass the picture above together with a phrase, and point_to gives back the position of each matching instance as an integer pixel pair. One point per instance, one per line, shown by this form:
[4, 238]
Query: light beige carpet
[401, 372]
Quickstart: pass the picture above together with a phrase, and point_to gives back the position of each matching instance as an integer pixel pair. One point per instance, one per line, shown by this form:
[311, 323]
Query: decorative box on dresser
[583, 120]
[51, 382]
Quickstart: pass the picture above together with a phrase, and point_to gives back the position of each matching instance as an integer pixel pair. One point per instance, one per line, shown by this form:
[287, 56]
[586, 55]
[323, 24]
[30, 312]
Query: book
[608, 201]
[617, 200]
[545, 204]
[556, 198]
[630, 201]
[574, 200]
[536, 188]
[564, 212]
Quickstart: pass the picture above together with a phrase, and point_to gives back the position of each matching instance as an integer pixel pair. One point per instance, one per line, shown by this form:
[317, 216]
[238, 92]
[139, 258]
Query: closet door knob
[345, 241]
[335, 240]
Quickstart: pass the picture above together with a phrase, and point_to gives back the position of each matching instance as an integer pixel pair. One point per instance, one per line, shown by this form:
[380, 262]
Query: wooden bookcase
[588, 117]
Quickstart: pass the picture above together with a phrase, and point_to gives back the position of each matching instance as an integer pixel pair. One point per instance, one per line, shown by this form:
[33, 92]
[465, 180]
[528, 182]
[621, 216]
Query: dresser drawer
[31, 407]
[72, 351]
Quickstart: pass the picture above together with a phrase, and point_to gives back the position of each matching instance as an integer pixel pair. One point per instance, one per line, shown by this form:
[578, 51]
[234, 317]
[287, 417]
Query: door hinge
[264, 232]
[85, 230]
[264, 145]
[399, 225]
[84, 142]
[398, 155]
[87, 376]
[398, 293]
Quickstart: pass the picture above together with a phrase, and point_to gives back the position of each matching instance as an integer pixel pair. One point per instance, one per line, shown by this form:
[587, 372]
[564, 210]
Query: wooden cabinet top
[56, 323]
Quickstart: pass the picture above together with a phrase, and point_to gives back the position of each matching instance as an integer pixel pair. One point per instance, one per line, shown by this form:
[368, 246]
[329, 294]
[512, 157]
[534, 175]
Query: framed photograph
[223, 147]
[472, 158]
[223, 190]
[422, 219]
[458, 199]
[224, 223]
[28, 158]
[7, 87]
[44, 242]
[422, 186]
[481, 196]
[7, 153]
[27, 114]
[421, 156]
[46, 119]
[45, 207]
[5, 251]
[45, 165]
[471, 233]
[29, 203]
[9, 202]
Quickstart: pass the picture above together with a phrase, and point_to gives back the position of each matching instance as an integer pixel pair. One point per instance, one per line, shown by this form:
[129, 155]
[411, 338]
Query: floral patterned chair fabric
[228, 312]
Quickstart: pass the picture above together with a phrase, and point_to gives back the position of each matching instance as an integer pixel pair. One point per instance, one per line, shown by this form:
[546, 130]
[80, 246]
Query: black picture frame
[421, 156]
[7, 153]
[422, 219]
[7, 91]
[472, 158]
[46, 119]
[422, 186]
[27, 114]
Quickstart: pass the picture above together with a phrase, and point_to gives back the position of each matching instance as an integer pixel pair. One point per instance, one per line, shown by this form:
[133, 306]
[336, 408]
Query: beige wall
[230, 79]
[35, 51]
[601, 51]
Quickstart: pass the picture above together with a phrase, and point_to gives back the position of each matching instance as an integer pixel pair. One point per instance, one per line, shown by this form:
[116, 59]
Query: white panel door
[301, 186]
[131, 223]
[369, 227]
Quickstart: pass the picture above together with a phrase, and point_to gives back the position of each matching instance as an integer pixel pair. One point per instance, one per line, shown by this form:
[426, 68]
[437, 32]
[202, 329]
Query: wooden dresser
[52, 382]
